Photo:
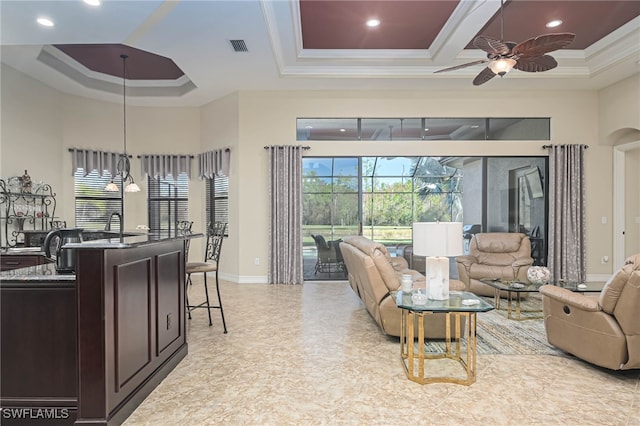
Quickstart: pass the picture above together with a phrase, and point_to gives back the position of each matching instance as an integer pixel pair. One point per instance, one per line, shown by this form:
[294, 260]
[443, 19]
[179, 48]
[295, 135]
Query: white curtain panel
[89, 160]
[567, 250]
[160, 165]
[285, 214]
[214, 163]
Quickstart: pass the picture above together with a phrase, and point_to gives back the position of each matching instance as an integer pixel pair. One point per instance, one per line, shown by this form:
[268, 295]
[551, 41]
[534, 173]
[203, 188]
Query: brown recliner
[503, 255]
[604, 331]
[374, 274]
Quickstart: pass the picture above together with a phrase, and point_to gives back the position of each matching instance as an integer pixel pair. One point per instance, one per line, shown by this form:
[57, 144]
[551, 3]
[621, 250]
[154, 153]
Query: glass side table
[412, 342]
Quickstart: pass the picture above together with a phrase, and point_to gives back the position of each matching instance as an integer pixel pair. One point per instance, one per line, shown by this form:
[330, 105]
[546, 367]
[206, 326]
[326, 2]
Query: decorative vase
[26, 183]
[538, 274]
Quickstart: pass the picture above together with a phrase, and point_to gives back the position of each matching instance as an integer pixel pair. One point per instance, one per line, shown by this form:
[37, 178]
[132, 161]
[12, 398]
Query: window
[93, 203]
[391, 129]
[217, 200]
[381, 197]
[168, 201]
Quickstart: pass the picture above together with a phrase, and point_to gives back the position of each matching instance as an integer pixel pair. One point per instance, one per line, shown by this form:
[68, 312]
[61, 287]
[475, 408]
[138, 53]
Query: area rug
[498, 335]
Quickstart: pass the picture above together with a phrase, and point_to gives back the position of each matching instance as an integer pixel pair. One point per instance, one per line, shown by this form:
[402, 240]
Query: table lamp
[436, 241]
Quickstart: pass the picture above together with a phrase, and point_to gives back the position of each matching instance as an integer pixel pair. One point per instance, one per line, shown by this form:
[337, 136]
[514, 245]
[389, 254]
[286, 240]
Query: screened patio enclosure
[381, 197]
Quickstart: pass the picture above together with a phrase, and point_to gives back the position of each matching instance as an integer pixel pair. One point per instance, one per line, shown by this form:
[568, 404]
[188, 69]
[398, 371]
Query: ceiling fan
[529, 55]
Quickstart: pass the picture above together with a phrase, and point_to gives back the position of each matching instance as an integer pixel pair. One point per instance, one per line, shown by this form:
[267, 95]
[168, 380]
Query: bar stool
[183, 227]
[215, 236]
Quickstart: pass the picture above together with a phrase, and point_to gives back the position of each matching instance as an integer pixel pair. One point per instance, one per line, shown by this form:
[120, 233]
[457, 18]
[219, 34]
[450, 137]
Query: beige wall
[269, 118]
[220, 129]
[619, 111]
[632, 202]
[31, 129]
[619, 115]
[39, 124]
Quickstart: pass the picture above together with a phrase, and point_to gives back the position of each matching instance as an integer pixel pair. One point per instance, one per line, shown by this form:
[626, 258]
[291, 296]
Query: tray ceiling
[182, 53]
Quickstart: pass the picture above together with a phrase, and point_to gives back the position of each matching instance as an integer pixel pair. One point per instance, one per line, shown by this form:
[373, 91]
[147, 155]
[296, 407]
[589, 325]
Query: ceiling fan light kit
[502, 56]
[502, 66]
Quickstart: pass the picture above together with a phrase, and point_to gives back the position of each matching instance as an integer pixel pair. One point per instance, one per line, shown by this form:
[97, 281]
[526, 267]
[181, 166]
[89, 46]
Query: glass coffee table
[459, 305]
[516, 289]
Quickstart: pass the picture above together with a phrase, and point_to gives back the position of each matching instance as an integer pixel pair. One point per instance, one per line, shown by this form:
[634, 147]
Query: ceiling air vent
[239, 45]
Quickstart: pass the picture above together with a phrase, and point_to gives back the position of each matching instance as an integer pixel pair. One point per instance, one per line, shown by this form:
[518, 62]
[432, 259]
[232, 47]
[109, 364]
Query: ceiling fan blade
[491, 45]
[536, 64]
[538, 46]
[484, 76]
[457, 67]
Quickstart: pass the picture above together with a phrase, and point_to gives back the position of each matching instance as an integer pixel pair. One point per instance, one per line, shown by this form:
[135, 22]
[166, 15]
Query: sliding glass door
[381, 197]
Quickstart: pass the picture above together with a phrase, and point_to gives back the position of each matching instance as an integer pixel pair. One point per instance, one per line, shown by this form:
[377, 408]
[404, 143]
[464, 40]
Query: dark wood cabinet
[38, 349]
[130, 302]
[93, 345]
[16, 261]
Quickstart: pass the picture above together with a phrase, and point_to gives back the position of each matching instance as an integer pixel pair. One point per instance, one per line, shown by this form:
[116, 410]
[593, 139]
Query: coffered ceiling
[187, 53]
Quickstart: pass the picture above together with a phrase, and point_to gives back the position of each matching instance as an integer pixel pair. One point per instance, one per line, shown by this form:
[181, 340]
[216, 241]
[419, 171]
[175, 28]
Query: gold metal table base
[415, 362]
[514, 296]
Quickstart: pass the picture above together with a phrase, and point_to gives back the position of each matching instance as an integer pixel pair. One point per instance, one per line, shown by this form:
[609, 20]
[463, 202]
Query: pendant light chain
[502, 20]
[124, 98]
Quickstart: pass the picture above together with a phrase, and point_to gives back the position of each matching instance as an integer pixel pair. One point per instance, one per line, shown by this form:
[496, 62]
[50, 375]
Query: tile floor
[311, 355]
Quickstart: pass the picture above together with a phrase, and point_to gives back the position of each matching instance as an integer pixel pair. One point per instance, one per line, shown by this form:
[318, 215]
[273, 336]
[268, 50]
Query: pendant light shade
[124, 165]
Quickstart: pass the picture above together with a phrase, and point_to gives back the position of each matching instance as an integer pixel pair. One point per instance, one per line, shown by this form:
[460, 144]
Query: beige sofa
[601, 330]
[501, 255]
[373, 273]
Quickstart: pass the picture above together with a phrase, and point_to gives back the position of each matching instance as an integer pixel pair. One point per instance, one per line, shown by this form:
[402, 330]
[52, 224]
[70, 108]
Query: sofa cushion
[499, 248]
[499, 242]
[614, 287]
[480, 270]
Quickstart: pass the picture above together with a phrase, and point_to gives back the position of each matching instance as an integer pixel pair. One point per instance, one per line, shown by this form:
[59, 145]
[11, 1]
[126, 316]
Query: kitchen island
[87, 348]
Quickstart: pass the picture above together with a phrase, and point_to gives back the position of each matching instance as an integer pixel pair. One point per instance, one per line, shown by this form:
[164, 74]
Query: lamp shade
[437, 238]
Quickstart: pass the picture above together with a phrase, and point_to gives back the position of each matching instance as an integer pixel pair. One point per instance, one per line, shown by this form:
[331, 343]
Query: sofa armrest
[523, 261]
[399, 263]
[466, 260]
[567, 297]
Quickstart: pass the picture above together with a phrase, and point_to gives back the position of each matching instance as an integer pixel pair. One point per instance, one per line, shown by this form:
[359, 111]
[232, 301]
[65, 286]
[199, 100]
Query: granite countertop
[21, 251]
[134, 239]
[39, 273]
[47, 273]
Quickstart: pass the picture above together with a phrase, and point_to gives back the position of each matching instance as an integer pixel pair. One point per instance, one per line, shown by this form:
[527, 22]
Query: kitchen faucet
[107, 227]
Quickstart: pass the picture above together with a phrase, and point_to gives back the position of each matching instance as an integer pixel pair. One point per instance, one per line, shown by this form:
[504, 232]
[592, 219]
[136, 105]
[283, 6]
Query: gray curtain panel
[285, 214]
[567, 251]
[89, 160]
[214, 163]
[156, 165]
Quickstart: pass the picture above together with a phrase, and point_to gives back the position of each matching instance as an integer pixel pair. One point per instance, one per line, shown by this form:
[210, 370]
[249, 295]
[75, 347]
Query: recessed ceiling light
[373, 22]
[45, 22]
[92, 2]
[554, 23]
[426, 129]
[343, 130]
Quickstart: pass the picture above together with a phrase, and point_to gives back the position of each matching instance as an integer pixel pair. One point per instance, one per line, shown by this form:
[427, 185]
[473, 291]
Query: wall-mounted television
[534, 181]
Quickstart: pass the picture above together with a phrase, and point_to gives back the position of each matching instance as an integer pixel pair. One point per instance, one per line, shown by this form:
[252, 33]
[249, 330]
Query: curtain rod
[281, 147]
[82, 150]
[551, 146]
[177, 155]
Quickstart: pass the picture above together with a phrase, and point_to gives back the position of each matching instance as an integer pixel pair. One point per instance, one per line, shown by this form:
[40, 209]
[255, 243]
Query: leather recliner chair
[604, 331]
[502, 255]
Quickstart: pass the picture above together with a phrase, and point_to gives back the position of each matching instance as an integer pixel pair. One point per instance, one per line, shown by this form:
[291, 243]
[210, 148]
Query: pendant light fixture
[124, 165]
